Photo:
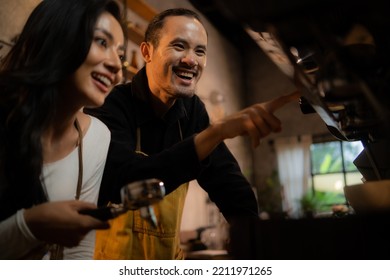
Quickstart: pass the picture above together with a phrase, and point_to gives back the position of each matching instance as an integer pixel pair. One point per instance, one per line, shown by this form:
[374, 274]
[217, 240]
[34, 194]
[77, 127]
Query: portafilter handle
[137, 195]
[141, 195]
[105, 213]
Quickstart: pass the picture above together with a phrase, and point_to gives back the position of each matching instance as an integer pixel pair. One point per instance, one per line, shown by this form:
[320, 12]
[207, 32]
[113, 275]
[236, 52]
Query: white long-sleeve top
[60, 181]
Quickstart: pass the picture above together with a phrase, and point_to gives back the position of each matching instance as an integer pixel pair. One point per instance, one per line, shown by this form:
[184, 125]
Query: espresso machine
[338, 54]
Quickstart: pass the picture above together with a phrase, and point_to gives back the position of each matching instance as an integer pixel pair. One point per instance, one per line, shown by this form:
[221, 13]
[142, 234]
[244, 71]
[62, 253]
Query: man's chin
[184, 93]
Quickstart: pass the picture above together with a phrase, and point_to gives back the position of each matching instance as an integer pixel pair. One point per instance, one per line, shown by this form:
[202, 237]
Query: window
[332, 168]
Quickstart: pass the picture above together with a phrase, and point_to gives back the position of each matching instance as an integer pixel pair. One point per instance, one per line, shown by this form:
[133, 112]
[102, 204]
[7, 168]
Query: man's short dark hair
[152, 33]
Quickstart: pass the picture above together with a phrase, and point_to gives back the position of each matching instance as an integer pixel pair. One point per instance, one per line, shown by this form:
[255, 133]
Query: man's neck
[161, 105]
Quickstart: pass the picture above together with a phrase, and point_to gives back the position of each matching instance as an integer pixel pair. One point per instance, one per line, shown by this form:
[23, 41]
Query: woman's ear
[146, 51]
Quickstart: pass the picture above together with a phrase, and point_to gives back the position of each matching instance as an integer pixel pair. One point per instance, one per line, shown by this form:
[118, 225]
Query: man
[159, 109]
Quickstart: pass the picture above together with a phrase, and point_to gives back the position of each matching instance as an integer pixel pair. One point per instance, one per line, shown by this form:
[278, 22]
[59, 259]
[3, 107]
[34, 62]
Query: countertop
[351, 237]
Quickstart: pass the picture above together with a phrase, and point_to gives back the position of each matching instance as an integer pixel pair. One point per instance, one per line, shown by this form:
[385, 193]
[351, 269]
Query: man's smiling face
[176, 64]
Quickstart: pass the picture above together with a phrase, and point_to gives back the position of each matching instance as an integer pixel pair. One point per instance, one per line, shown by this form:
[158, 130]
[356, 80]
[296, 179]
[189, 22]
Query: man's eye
[200, 52]
[178, 46]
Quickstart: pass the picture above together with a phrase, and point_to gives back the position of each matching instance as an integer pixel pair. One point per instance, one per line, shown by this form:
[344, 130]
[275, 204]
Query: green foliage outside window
[332, 168]
[318, 201]
[329, 157]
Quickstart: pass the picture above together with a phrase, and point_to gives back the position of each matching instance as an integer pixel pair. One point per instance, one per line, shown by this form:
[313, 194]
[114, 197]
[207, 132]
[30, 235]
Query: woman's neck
[61, 137]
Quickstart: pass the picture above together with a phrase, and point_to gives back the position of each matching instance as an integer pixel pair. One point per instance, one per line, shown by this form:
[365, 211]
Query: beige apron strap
[57, 251]
[131, 237]
[138, 143]
[181, 133]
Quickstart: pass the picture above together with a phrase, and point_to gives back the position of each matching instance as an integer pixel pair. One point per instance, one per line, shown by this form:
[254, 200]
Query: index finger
[277, 103]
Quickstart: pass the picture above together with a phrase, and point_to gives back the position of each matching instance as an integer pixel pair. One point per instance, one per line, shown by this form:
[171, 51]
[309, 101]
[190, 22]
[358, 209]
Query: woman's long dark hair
[53, 44]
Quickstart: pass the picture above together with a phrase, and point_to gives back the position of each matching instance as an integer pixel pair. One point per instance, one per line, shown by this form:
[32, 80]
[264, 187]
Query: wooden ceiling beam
[141, 8]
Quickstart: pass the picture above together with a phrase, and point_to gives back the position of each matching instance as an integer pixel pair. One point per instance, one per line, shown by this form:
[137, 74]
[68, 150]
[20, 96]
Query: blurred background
[300, 171]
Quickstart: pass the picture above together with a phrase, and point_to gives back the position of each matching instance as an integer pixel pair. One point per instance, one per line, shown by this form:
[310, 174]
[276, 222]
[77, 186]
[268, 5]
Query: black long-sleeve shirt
[169, 144]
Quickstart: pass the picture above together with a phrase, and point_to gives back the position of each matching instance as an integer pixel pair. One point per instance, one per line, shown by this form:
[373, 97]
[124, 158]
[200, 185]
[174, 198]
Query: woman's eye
[122, 58]
[101, 42]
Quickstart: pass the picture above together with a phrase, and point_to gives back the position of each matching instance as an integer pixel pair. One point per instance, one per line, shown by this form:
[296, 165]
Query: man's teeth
[103, 79]
[185, 75]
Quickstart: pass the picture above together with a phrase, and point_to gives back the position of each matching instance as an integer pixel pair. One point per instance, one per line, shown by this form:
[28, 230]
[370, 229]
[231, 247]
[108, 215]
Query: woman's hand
[60, 222]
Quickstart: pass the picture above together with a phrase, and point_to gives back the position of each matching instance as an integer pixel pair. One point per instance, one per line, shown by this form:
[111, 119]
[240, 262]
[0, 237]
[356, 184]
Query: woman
[69, 55]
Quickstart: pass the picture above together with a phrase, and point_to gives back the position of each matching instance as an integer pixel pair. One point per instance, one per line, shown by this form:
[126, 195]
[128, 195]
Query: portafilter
[137, 195]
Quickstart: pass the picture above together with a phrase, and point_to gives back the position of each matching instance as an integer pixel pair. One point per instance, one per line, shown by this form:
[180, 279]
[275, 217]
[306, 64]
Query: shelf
[130, 71]
[141, 8]
[134, 33]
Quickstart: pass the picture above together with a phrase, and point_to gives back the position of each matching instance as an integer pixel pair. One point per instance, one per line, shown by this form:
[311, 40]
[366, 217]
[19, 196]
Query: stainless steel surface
[141, 194]
[137, 195]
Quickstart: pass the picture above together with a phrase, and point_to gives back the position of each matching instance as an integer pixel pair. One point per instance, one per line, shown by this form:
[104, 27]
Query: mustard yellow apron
[132, 237]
